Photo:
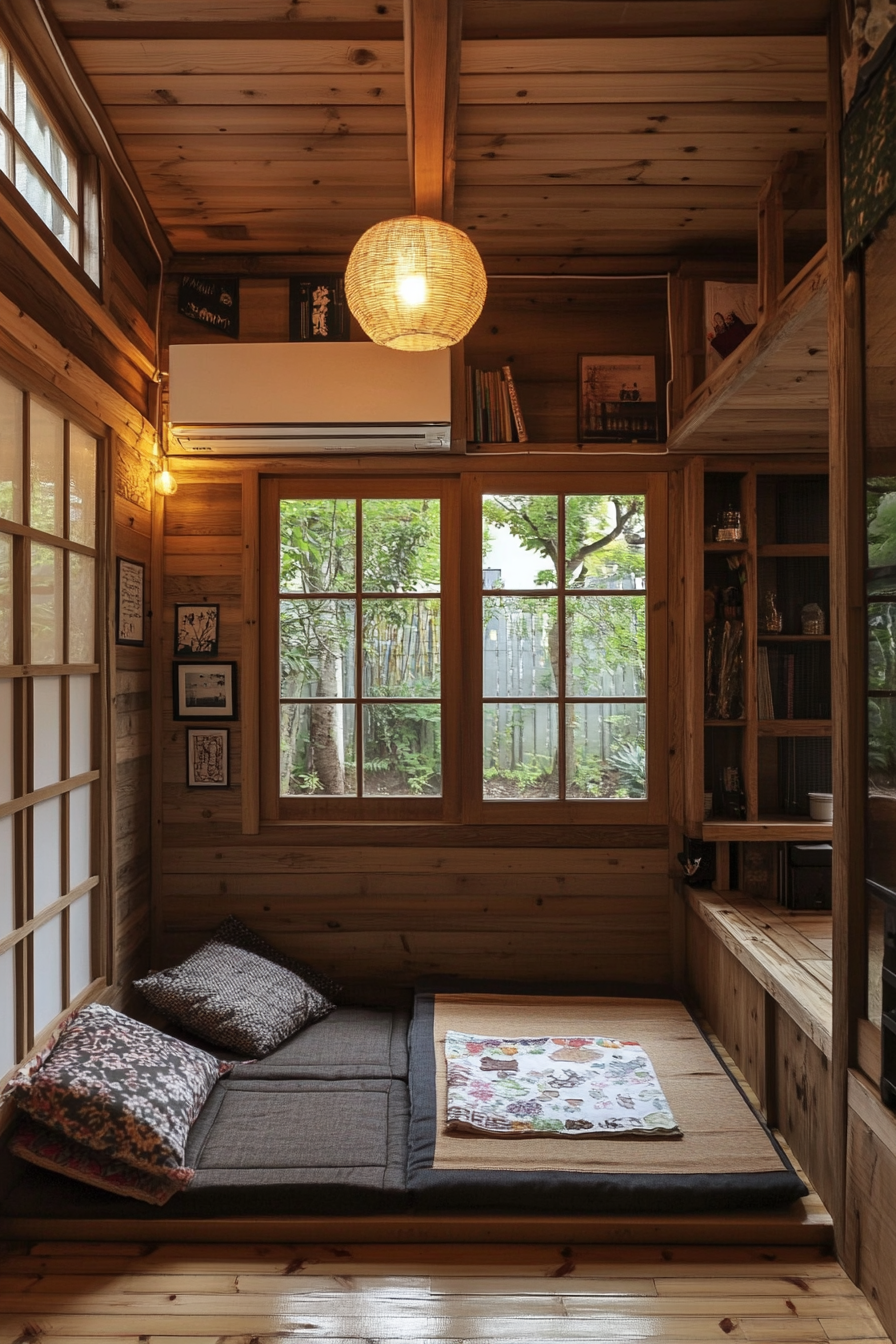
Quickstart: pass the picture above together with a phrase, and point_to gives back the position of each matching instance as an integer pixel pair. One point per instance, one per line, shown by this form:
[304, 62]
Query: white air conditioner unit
[346, 397]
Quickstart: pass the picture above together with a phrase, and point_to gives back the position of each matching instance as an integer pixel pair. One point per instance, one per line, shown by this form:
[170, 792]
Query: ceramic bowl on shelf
[821, 806]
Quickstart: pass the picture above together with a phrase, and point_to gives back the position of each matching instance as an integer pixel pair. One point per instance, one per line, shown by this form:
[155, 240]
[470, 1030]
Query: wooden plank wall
[372, 905]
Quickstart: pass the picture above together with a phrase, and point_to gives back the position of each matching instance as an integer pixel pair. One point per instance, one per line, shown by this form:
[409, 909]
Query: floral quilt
[566, 1087]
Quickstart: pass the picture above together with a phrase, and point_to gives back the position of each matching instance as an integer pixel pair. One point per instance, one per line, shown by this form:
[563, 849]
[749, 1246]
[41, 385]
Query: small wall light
[415, 283]
[164, 482]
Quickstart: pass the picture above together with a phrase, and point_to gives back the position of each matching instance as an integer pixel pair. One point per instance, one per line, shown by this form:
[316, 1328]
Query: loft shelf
[773, 389]
[768, 828]
[794, 727]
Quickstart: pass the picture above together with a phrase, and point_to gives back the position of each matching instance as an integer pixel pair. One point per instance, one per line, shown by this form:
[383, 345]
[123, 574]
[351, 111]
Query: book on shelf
[764, 685]
[494, 414]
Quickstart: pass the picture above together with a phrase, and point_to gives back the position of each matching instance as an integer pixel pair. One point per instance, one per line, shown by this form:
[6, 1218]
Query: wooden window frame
[462, 801]
[86, 166]
[23, 673]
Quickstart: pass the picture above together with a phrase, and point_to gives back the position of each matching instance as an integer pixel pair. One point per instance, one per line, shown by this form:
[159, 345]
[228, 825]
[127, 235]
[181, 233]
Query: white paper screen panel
[7, 1012]
[47, 858]
[6, 739]
[79, 975]
[46, 731]
[47, 952]
[80, 696]
[78, 836]
[7, 875]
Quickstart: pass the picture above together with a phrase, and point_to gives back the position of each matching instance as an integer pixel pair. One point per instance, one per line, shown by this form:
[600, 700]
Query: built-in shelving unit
[750, 771]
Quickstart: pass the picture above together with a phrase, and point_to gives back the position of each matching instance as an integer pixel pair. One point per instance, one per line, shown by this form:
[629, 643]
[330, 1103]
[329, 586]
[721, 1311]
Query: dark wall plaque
[211, 300]
[868, 152]
[317, 308]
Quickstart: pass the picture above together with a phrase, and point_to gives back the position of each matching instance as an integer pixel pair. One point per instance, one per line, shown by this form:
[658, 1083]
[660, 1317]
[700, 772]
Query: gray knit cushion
[235, 998]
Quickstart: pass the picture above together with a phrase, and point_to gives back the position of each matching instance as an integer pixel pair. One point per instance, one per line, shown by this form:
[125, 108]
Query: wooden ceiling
[578, 127]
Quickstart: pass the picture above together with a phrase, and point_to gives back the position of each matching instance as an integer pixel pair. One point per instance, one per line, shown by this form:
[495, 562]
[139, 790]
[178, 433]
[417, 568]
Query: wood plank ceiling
[582, 126]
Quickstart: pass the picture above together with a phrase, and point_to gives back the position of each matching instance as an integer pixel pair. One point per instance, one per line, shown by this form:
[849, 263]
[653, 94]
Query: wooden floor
[120, 1293]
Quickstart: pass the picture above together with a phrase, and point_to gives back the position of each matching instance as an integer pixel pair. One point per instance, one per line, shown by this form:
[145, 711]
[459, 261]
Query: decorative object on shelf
[211, 300]
[710, 605]
[730, 313]
[724, 670]
[129, 589]
[728, 526]
[493, 407]
[208, 758]
[734, 802]
[812, 619]
[617, 399]
[204, 691]
[821, 806]
[707, 805]
[415, 283]
[771, 620]
[318, 311]
[196, 629]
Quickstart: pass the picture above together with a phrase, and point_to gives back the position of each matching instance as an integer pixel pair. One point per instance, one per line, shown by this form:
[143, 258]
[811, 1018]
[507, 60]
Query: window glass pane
[46, 604]
[79, 836]
[82, 486]
[46, 730]
[881, 505]
[7, 1012]
[317, 545]
[402, 750]
[90, 220]
[47, 859]
[34, 127]
[44, 203]
[519, 541]
[5, 153]
[882, 646]
[606, 646]
[79, 969]
[606, 751]
[402, 647]
[519, 752]
[11, 410]
[400, 542]
[520, 643]
[47, 436]
[47, 949]
[317, 750]
[317, 648]
[882, 746]
[7, 874]
[80, 756]
[80, 608]
[605, 544]
[6, 632]
[6, 739]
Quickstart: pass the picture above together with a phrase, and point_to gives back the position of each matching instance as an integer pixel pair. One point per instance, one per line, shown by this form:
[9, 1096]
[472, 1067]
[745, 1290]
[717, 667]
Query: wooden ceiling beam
[197, 31]
[432, 75]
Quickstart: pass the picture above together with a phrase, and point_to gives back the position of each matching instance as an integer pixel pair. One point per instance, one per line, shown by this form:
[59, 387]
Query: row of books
[493, 407]
[793, 685]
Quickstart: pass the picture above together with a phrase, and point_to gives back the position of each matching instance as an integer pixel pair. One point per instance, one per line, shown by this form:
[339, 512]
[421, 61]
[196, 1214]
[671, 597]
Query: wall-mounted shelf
[793, 639]
[794, 727]
[768, 828]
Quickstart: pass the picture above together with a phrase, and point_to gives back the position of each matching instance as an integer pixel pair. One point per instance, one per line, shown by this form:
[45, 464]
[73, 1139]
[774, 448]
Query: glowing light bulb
[165, 484]
[412, 290]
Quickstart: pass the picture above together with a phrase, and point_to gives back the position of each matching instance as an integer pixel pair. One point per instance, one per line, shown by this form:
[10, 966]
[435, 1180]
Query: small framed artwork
[129, 600]
[205, 691]
[208, 758]
[196, 629]
[617, 399]
[318, 311]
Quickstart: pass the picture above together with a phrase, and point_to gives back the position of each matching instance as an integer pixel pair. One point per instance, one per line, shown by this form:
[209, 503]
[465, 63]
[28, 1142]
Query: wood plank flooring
[121, 1293]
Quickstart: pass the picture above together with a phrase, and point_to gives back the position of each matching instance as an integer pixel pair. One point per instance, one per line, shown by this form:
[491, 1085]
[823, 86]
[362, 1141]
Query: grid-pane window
[564, 647]
[360, 641]
[45, 169]
[48, 681]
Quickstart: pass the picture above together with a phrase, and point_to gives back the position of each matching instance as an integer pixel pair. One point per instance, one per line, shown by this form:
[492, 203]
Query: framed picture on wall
[208, 758]
[196, 629]
[617, 399]
[205, 691]
[129, 602]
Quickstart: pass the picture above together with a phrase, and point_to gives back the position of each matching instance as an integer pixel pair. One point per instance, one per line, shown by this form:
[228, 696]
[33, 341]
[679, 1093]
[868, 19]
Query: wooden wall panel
[731, 1001]
[870, 1222]
[804, 1104]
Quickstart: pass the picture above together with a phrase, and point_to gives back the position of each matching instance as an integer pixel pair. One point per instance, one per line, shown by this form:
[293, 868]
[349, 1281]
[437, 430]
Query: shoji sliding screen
[49, 916]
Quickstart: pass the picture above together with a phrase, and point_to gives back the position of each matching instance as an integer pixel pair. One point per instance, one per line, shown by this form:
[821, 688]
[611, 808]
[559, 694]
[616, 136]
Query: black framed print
[208, 758]
[129, 602]
[205, 691]
[196, 629]
[617, 399]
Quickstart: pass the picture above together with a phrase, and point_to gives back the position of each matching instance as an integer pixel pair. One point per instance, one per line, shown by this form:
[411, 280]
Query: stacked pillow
[239, 992]
[110, 1101]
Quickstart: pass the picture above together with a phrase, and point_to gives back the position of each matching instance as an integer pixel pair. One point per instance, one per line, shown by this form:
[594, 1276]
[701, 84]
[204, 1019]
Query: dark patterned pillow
[121, 1088]
[235, 998]
[234, 931]
[45, 1148]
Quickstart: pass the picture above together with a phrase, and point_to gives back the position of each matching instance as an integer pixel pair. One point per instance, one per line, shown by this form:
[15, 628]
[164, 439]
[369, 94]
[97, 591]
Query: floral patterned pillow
[45, 1148]
[121, 1088]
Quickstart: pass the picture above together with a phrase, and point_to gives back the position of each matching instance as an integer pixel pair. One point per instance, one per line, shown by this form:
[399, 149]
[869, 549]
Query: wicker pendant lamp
[415, 283]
